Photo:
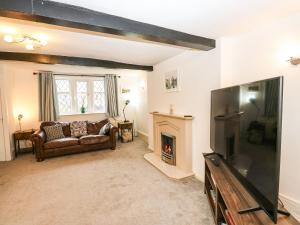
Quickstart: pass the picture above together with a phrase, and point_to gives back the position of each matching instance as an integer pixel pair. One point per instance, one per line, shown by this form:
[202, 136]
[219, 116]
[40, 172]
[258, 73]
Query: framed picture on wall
[172, 81]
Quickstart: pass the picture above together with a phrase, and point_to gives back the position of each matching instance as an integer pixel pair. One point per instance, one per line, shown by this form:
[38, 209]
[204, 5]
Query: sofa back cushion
[65, 127]
[54, 132]
[78, 128]
[93, 128]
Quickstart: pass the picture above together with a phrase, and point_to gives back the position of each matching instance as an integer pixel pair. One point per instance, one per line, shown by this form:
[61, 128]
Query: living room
[161, 85]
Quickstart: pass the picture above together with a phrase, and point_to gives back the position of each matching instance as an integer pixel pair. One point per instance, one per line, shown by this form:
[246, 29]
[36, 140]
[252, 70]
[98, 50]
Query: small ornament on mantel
[171, 109]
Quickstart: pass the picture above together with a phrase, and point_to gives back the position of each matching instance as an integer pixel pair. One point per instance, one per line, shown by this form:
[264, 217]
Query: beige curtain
[47, 96]
[111, 90]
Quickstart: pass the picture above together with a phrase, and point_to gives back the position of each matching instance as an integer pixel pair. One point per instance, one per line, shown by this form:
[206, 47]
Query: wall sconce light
[294, 61]
[125, 90]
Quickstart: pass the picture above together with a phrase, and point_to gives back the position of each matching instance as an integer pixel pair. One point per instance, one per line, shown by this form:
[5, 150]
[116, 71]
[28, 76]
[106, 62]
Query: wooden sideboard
[226, 196]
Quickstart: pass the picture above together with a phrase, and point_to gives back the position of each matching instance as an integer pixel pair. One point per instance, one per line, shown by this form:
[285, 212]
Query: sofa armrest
[39, 135]
[112, 134]
[39, 138]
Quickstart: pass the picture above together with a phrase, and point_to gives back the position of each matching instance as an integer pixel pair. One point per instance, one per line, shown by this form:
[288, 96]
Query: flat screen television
[246, 133]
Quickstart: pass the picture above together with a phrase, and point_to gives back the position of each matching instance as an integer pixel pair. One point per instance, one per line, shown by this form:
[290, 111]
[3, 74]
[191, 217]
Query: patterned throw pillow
[54, 132]
[105, 129]
[78, 128]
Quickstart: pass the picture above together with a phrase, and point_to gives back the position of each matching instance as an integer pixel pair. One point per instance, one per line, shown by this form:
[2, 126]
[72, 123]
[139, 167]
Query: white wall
[142, 104]
[21, 93]
[6, 103]
[263, 53]
[258, 54]
[3, 138]
[199, 74]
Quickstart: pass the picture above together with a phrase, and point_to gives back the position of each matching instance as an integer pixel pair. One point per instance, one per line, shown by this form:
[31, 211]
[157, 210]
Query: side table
[21, 136]
[122, 127]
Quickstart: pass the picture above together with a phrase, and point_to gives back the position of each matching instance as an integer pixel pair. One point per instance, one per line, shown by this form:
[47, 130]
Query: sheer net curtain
[111, 90]
[47, 96]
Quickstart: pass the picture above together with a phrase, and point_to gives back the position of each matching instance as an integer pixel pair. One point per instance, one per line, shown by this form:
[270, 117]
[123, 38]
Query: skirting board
[291, 205]
[199, 177]
[143, 136]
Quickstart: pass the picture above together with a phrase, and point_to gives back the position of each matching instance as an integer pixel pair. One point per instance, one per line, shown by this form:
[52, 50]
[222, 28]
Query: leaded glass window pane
[81, 86]
[64, 103]
[82, 97]
[98, 96]
[99, 102]
[98, 86]
[63, 96]
[62, 85]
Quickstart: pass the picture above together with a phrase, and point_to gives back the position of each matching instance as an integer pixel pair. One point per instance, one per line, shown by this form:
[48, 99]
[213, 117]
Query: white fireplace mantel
[181, 127]
[175, 116]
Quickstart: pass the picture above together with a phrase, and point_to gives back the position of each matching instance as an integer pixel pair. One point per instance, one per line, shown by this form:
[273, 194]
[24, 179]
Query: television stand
[227, 196]
[214, 158]
[283, 212]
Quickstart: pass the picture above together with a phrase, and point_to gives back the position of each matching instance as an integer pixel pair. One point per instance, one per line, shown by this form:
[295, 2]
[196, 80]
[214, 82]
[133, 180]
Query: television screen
[246, 132]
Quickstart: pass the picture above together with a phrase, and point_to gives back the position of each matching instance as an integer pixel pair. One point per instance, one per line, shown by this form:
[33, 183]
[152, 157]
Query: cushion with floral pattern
[78, 128]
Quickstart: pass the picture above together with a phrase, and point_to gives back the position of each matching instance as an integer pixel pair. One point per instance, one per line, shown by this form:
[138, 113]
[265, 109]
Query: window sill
[82, 114]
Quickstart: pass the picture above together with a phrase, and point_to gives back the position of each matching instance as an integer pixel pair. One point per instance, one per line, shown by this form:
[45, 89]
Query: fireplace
[168, 148]
[166, 128]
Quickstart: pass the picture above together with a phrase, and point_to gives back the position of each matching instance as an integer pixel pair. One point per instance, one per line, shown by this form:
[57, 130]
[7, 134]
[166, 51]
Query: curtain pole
[77, 75]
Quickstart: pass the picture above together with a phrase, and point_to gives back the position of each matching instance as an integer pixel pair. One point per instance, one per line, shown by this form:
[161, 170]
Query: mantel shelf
[181, 117]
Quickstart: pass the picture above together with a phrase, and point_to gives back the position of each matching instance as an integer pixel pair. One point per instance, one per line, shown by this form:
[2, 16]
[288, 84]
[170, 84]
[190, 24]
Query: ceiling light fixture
[29, 47]
[294, 61]
[31, 42]
[8, 38]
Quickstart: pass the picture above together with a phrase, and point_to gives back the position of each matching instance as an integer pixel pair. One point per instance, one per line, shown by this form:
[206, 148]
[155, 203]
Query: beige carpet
[98, 188]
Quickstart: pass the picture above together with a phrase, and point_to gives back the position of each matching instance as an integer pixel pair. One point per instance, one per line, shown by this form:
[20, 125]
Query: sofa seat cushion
[60, 143]
[93, 139]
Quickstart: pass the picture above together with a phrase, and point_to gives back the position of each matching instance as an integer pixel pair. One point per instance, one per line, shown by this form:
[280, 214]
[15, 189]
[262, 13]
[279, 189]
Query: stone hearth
[179, 127]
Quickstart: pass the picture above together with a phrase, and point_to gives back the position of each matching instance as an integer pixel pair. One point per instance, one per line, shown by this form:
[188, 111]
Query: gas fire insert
[168, 148]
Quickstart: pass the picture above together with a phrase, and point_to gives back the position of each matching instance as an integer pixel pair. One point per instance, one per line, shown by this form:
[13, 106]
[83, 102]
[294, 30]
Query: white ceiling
[208, 18]
[68, 43]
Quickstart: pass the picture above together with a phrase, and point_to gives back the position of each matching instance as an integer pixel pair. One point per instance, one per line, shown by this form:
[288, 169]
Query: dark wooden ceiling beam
[67, 60]
[71, 16]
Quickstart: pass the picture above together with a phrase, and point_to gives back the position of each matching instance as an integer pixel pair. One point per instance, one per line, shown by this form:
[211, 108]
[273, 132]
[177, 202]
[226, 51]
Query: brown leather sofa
[70, 145]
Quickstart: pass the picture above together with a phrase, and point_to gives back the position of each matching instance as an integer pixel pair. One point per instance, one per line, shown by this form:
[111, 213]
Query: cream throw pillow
[105, 129]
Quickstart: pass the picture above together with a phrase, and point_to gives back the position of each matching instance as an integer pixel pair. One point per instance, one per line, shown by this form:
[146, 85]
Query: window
[98, 95]
[64, 98]
[82, 94]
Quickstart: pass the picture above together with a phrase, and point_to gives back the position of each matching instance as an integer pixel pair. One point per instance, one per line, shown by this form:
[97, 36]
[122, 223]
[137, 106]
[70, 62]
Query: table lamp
[20, 117]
